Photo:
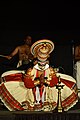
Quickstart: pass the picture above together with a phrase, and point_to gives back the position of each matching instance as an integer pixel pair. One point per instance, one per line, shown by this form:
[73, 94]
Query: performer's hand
[8, 57]
[37, 82]
[46, 83]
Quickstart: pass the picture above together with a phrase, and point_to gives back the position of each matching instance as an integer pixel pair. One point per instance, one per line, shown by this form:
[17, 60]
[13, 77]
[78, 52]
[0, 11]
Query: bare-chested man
[23, 51]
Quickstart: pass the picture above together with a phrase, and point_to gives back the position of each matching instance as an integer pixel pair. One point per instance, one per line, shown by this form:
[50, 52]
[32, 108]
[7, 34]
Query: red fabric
[54, 81]
[36, 73]
[13, 77]
[41, 91]
[9, 99]
[28, 82]
[70, 100]
[68, 83]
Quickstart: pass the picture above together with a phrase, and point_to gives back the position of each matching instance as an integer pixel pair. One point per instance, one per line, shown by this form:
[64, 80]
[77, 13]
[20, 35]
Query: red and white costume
[18, 93]
[22, 91]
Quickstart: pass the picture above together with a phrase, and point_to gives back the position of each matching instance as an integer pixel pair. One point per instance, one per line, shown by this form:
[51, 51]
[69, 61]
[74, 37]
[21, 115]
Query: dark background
[56, 21]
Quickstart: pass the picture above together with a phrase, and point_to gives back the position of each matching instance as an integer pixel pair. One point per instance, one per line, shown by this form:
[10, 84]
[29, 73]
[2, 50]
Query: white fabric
[17, 90]
[77, 71]
[19, 63]
[66, 77]
[21, 93]
[37, 67]
[37, 95]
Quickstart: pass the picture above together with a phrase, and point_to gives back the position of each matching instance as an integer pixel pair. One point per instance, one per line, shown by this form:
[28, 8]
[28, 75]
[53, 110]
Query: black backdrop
[58, 22]
[61, 57]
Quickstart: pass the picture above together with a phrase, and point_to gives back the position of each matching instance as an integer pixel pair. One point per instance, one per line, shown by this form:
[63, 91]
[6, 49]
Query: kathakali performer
[35, 89]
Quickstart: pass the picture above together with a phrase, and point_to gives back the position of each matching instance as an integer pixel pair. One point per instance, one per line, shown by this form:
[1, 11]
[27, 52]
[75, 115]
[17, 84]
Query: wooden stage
[23, 115]
[72, 114]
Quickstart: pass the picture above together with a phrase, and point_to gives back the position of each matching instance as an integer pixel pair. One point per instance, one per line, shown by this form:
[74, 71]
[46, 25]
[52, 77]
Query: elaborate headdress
[42, 48]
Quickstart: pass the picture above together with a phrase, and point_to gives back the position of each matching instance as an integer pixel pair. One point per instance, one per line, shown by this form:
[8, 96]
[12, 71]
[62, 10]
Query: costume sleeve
[28, 82]
[53, 81]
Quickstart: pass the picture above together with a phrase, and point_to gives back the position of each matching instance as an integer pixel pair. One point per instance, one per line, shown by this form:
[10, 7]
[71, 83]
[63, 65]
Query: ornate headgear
[42, 48]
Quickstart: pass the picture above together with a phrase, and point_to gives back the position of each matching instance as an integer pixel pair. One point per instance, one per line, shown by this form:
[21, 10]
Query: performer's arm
[13, 53]
[54, 79]
[29, 83]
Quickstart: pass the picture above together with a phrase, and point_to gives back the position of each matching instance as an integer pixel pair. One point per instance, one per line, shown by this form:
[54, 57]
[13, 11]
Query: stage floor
[72, 114]
[23, 115]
